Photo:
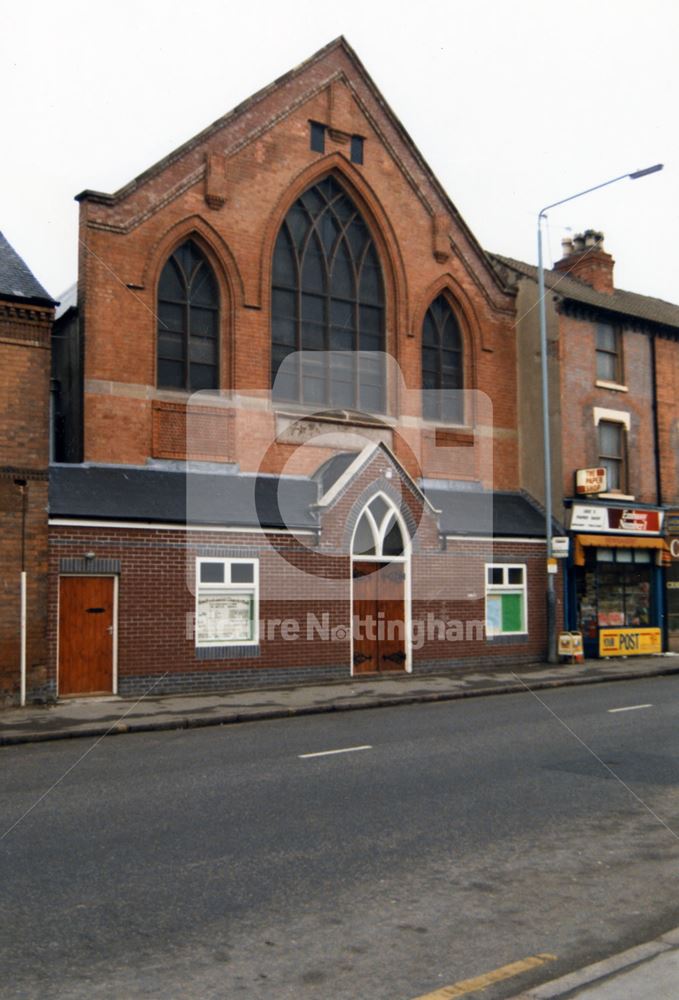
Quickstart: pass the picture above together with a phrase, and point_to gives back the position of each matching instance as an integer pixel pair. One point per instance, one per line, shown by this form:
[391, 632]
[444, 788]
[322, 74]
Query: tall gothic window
[188, 322]
[442, 364]
[327, 295]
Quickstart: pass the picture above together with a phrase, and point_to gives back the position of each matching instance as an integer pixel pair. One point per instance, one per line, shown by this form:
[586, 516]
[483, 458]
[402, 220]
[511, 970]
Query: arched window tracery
[327, 296]
[188, 322]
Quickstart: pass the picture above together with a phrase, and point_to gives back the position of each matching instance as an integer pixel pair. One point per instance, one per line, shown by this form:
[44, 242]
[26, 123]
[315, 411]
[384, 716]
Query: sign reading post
[629, 641]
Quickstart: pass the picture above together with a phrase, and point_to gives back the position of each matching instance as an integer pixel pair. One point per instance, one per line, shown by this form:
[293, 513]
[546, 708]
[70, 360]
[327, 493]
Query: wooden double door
[379, 625]
[86, 639]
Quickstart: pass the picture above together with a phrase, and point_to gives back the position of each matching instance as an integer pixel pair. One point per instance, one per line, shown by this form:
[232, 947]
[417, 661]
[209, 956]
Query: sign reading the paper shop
[590, 481]
[618, 520]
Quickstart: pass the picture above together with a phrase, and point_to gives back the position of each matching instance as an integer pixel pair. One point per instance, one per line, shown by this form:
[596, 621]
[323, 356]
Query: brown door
[379, 617]
[85, 635]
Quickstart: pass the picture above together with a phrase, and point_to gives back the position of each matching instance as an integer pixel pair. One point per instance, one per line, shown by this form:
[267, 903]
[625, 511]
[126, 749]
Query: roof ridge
[621, 300]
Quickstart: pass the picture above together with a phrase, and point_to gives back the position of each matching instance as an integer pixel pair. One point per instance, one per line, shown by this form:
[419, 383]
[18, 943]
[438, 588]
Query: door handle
[109, 629]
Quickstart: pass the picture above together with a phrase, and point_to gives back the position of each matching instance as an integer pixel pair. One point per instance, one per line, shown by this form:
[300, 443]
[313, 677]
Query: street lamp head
[647, 170]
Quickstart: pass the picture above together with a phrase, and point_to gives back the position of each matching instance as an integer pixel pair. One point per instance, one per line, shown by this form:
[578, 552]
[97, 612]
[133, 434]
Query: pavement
[648, 971]
[109, 716]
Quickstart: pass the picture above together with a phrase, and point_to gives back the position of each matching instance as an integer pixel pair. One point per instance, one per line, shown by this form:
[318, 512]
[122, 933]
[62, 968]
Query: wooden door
[379, 617]
[391, 602]
[86, 635]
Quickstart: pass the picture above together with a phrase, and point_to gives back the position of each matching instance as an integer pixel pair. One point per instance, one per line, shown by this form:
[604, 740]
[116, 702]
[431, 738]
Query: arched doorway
[380, 570]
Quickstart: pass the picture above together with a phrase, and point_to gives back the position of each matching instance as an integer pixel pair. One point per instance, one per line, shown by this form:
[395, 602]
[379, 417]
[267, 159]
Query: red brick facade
[229, 190]
[305, 581]
[24, 444]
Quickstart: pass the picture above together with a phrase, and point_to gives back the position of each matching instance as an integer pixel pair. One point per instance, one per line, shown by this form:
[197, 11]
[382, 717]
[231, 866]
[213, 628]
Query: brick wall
[580, 395]
[304, 579]
[229, 189]
[667, 375]
[24, 445]
[156, 606]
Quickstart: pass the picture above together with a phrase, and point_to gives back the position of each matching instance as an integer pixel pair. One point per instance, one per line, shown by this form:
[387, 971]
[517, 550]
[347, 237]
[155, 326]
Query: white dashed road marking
[629, 708]
[327, 753]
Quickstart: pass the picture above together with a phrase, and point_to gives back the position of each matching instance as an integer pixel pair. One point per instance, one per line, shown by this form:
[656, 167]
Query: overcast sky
[514, 105]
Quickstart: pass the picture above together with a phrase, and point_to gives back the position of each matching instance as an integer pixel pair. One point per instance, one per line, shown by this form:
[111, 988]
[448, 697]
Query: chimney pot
[586, 260]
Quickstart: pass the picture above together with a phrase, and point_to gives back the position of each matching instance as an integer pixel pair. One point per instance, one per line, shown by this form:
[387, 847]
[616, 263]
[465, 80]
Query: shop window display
[614, 591]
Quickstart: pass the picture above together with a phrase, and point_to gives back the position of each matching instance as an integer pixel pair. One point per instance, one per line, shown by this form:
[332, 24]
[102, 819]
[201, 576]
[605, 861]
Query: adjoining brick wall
[580, 395]
[36, 589]
[24, 452]
[667, 375]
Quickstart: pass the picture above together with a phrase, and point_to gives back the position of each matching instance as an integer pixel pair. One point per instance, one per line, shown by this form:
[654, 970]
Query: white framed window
[506, 599]
[227, 602]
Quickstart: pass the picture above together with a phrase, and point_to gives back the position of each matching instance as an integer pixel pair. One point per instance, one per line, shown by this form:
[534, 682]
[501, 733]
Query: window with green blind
[505, 599]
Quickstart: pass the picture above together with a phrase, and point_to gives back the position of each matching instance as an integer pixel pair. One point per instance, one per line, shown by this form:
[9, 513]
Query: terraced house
[614, 379]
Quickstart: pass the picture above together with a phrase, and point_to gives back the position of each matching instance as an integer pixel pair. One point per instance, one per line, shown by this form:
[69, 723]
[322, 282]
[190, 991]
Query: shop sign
[620, 520]
[629, 641]
[672, 525]
[590, 481]
[560, 546]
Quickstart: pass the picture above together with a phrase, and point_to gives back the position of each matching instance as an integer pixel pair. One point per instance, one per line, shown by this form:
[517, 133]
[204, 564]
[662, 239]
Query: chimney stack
[584, 258]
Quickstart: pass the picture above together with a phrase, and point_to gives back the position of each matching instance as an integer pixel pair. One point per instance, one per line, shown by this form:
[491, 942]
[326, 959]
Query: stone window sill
[615, 386]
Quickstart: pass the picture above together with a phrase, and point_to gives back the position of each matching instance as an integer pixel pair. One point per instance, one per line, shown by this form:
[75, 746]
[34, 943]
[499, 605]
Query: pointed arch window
[327, 295]
[378, 532]
[188, 322]
[442, 364]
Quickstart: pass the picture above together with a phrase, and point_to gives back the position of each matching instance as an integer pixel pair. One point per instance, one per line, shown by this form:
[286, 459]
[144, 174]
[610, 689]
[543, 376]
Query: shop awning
[614, 542]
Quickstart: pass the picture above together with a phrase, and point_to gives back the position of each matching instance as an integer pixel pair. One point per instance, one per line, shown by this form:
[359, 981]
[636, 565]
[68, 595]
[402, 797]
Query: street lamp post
[551, 593]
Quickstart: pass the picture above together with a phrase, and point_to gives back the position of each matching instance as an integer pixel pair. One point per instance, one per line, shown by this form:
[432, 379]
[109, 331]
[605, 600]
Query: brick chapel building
[286, 415]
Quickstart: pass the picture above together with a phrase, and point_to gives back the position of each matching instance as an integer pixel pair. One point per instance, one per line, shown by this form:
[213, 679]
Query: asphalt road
[221, 863]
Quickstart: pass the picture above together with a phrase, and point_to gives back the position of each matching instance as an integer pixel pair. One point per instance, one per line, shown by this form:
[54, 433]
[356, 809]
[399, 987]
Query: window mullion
[187, 342]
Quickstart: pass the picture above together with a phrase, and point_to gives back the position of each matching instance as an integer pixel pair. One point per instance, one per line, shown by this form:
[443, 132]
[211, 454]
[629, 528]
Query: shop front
[616, 592]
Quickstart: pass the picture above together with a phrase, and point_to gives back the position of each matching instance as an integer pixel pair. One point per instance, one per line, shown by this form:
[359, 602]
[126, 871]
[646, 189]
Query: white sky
[513, 105]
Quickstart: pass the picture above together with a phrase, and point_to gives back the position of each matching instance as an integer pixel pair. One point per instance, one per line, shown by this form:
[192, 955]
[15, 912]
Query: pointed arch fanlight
[188, 321]
[378, 531]
[327, 296]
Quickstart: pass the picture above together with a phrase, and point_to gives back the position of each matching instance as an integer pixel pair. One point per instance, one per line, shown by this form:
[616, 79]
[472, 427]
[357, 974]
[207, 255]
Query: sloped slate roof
[643, 307]
[467, 512]
[122, 493]
[137, 494]
[17, 281]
